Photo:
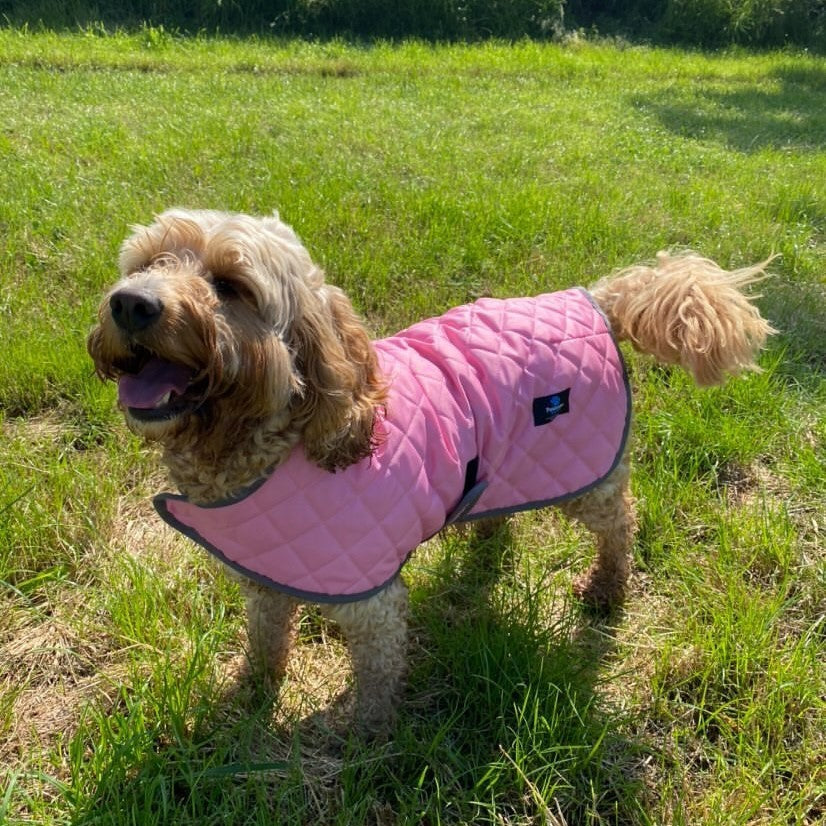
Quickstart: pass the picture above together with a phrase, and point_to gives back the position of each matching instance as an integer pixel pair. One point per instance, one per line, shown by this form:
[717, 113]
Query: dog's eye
[224, 288]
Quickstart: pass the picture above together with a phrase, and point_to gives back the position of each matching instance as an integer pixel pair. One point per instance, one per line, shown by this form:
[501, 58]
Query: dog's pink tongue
[155, 380]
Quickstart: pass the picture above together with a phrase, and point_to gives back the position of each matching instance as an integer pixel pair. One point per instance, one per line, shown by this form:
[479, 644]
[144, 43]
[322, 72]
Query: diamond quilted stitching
[462, 386]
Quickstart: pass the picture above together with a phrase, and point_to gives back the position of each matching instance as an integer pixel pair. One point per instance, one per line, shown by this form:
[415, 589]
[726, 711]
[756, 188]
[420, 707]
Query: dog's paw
[598, 591]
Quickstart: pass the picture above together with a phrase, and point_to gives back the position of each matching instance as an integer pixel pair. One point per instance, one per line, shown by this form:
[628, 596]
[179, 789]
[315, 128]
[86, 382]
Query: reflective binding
[494, 407]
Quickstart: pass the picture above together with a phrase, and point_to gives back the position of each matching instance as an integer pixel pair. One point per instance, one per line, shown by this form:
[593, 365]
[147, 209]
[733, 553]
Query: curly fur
[279, 357]
[687, 310]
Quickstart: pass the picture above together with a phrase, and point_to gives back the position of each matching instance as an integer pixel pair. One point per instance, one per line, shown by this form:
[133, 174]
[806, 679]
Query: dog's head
[221, 322]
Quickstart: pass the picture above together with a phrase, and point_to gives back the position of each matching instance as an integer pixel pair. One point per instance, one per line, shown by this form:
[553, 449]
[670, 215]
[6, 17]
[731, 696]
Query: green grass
[420, 177]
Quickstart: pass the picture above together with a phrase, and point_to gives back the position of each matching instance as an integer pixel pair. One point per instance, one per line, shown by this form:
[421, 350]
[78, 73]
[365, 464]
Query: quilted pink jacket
[494, 407]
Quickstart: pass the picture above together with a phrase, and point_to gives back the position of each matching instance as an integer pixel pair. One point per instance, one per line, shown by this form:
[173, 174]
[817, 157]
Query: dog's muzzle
[150, 388]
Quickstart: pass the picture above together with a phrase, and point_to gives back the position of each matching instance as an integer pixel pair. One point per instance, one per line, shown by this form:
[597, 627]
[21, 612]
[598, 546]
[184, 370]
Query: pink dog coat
[494, 407]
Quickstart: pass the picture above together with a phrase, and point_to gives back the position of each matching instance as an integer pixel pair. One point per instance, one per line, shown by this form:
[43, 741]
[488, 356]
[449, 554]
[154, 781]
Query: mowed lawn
[419, 177]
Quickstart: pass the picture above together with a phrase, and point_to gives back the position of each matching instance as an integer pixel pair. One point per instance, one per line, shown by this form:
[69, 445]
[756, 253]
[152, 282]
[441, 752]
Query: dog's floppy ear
[342, 383]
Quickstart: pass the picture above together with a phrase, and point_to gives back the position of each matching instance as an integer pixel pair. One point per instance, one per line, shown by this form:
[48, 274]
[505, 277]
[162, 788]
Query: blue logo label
[547, 408]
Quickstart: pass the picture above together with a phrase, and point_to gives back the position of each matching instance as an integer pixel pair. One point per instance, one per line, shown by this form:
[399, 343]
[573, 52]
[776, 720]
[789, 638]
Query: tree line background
[702, 23]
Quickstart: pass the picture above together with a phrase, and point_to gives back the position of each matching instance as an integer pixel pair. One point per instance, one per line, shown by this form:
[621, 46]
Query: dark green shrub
[747, 22]
[428, 19]
[706, 23]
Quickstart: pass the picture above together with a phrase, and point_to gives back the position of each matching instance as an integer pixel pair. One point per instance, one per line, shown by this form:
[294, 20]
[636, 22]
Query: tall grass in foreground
[419, 177]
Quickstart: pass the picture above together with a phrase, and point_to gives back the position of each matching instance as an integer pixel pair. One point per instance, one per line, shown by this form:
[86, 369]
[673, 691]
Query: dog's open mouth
[153, 389]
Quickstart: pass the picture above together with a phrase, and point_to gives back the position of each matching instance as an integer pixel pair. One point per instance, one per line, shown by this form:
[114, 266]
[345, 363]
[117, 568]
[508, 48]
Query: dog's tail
[687, 310]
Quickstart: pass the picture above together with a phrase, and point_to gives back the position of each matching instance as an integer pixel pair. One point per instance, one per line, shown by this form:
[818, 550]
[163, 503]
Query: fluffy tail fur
[687, 310]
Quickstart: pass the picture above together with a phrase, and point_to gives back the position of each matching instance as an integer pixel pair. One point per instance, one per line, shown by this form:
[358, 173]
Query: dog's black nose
[134, 310]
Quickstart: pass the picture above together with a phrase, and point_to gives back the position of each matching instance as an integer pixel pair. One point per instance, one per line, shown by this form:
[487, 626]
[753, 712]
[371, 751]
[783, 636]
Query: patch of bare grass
[53, 673]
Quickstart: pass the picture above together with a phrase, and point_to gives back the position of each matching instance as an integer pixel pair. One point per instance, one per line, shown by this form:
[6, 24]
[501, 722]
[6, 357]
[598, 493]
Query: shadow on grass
[785, 113]
[503, 688]
[502, 722]
[798, 311]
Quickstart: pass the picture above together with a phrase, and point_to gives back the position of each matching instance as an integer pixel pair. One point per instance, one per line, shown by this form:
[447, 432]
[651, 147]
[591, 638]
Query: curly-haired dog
[313, 460]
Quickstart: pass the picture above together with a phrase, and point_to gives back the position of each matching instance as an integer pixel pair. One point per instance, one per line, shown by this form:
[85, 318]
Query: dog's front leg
[376, 633]
[271, 631]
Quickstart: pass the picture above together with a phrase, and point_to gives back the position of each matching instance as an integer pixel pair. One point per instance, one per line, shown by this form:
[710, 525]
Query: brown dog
[232, 352]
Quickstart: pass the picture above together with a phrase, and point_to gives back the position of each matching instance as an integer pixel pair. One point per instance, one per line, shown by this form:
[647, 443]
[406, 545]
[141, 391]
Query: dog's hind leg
[271, 630]
[608, 511]
[376, 633]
